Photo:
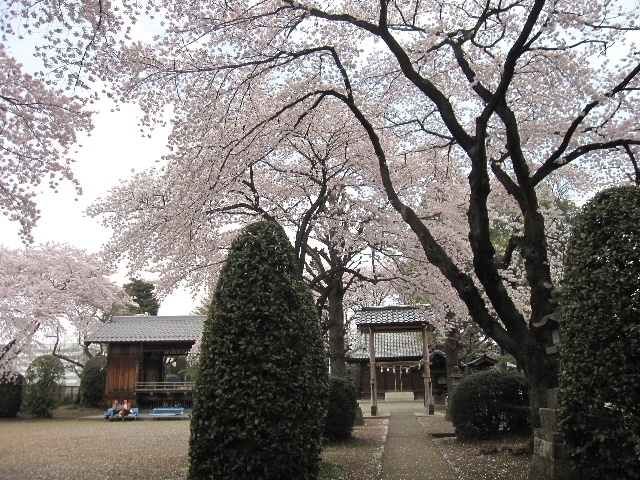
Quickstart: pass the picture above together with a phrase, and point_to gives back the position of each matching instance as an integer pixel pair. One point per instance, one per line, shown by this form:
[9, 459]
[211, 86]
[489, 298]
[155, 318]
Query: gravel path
[93, 450]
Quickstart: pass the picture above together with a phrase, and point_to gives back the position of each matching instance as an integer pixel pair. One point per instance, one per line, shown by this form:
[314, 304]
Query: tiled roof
[394, 316]
[482, 359]
[149, 329]
[389, 346]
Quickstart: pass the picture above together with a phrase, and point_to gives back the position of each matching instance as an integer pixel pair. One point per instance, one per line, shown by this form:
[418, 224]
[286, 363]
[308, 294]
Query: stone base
[359, 420]
[550, 460]
[398, 396]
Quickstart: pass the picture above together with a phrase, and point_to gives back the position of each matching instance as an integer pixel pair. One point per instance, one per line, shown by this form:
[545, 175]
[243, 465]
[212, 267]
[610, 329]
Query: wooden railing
[163, 386]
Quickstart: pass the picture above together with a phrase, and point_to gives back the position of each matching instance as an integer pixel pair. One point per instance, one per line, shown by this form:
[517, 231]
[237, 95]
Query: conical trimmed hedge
[599, 415]
[261, 391]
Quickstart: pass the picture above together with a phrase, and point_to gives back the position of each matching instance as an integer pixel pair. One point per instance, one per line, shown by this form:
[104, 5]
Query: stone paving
[410, 453]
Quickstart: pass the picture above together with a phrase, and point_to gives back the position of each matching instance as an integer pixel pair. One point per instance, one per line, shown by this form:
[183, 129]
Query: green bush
[93, 382]
[10, 394]
[599, 415]
[487, 403]
[343, 405]
[43, 382]
[261, 389]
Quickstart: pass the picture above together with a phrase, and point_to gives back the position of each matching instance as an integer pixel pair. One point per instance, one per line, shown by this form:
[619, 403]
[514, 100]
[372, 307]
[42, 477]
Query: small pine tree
[143, 295]
[43, 382]
[261, 390]
[599, 415]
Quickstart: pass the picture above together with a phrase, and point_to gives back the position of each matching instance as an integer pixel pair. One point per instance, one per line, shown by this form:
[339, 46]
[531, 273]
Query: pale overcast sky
[115, 147]
[108, 155]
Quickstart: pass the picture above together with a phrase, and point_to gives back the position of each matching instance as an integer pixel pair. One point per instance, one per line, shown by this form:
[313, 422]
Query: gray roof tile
[390, 346]
[394, 315]
[149, 329]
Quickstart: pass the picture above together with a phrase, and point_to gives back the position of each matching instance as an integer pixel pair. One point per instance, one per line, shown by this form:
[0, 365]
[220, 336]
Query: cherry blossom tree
[46, 92]
[310, 184]
[518, 93]
[49, 289]
[520, 97]
[39, 126]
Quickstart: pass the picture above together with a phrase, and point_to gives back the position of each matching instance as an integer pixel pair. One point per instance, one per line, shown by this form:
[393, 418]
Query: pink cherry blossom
[441, 120]
[48, 289]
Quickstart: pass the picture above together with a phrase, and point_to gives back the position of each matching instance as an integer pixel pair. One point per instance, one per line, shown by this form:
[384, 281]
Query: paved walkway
[410, 453]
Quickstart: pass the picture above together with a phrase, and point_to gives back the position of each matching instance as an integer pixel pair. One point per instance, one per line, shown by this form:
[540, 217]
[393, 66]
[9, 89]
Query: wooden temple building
[399, 362]
[399, 368]
[408, 370]
[138, 349]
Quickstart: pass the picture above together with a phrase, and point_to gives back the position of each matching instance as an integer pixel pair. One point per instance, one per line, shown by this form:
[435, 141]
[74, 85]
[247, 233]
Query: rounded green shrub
[599, 399]
[261, 390]
[43, 386]
[93, 382]
[487, 403]
[10, 394]
[343, 405]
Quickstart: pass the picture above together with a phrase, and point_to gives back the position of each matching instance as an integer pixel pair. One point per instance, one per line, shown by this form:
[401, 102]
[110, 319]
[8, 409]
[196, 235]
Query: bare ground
[61, 449]
[505, 458]
[360, 457]
[65, 447]
[500, 459]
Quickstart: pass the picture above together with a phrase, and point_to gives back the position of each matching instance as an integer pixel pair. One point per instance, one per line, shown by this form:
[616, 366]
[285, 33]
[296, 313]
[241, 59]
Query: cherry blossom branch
[557, 160]
[636, 178]
[433, 251]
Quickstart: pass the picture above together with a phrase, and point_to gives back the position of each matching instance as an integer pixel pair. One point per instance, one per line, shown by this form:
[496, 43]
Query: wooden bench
[134, 415]
[167, 412]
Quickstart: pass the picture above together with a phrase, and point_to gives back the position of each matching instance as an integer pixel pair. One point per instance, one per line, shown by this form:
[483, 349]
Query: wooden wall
[386, 381]
[129, 363]
[122, 371]
[411, 381]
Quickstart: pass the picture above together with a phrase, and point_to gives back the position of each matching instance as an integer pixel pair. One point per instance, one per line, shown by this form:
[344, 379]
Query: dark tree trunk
[451, 356]
[517, 335]
[337, 349]
[542, 372]
[451, 353]
[500, 317]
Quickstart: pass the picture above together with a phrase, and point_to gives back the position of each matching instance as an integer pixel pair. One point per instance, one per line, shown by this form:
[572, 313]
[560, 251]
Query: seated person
[116, 409]
[126, 408]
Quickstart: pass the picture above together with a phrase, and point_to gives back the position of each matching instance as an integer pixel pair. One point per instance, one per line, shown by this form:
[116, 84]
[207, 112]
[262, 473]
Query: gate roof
[397, 318]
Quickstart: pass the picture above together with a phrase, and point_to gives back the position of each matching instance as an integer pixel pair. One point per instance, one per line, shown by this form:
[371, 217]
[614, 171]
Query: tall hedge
[600, 336]
[487, 403]
[93, 382]
[43, 386]
[10, 394]
[261, 390]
